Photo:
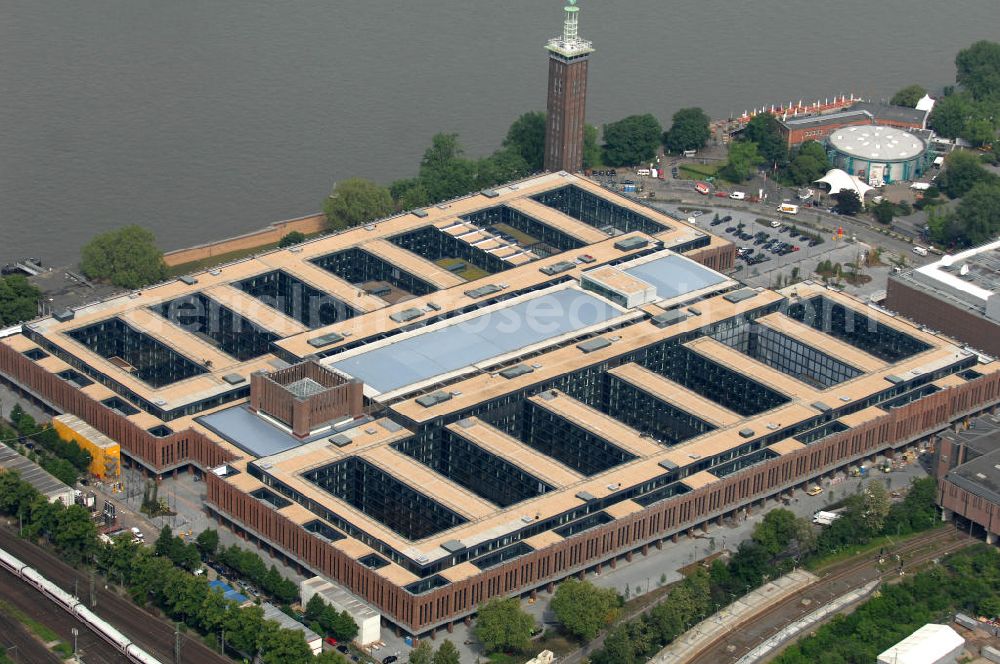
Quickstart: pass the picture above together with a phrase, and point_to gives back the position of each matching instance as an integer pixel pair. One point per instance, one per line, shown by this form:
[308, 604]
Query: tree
[583, 609]
[764, 130]
[979, 131]
[618, 648]
[631, 140]
[591, 150]
[876, 506]
[243, 627]
[444, 173]
[962, 172]
[776, 531]
[743, 161]
[447, 654]
[207, 542]
[503, 626]
[356, 201]
[950, 114]
[18, 299]
[526, 136]
[883, 211]
[127, 257]
[689, 130]
[978, 70]
[501, 166]
[289, 239]
[908, 96]
[74, 534]
[279, 645]
[978, 214]
[847, 202]
[422, 654]
[809, 164]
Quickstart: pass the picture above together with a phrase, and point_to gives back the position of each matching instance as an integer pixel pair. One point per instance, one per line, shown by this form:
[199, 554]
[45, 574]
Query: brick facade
[938, 314]
[566, 113]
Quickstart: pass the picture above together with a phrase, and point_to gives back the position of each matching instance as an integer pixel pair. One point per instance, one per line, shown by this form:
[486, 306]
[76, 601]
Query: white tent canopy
[926, 103]
[931, 644]
[839, 180]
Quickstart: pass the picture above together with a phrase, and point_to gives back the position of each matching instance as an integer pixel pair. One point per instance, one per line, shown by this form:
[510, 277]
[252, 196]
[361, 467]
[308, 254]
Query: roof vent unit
[845, 398]
[527, 519]
[325, 340]
[234, 378]
[64, 315]
[548, 395]
[821, 407]
[536, 365]
[483, 291]
[215, 272]
[615, 486]
[631, 243]
[420, 213]
[590, 345]
[668, 318]
[295, 250]
[772, 426]
[452, 546]
[740, 295]
[515, 371]
[187, 279]
[406, 315]
[585, 496]
[694, 311]
[557, 268]
[391, 426]
[466, 423]
[433, 307]
[340, 440]
[746, 433]
[369, 227]
[668, 465]
[434, 398]
[371, 431]
[490, 193]
[894, 379]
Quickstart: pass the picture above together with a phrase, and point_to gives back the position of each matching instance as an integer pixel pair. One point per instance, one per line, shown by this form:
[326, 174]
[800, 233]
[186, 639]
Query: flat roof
[447, 347]
[673, 275]
[972, 275]
[877, 143]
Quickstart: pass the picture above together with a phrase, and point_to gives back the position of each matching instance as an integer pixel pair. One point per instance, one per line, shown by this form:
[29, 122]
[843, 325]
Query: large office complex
[959, 295]
[566, 104]
[484, 397]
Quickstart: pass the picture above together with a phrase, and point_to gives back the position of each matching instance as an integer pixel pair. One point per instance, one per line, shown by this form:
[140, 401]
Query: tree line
[968, 580]
[64, 460]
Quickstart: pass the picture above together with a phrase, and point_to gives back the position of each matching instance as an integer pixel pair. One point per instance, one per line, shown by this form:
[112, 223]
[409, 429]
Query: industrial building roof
[884, 144]
[972, 275]
[32, 473]
[673, 275]
[928, 645]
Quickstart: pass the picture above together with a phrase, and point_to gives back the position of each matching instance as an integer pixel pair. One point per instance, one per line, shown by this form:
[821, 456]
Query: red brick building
[566, 105]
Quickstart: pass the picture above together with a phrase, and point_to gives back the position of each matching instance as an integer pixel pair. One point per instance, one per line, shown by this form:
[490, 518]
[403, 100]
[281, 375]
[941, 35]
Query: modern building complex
[566, 106]
[959, 295]
[878, 155]
[968, 471]
[820, 126]
[482, 398]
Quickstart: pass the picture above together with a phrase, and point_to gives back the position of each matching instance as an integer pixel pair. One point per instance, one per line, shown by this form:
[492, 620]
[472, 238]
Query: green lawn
[699, 171]
[44, 633]
[219, 259]
[470, 272]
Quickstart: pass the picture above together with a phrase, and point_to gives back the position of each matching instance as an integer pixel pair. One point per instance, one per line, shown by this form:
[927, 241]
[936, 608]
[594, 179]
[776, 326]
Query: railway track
[744, 636]
[153, 634]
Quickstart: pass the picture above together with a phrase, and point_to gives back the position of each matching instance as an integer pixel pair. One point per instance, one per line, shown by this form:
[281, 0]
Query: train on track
[74, 606]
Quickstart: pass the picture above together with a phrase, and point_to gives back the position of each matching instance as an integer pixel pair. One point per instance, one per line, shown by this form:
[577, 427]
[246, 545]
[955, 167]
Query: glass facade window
[856, 328]
[136, 352]
[644, 412]
[598, 212]
[570, 444]
[297, 299]
[218, 325]
[481, 472]
[357, 266]
[787, 355]
[547, 240]
[384, 498]
[436, 245]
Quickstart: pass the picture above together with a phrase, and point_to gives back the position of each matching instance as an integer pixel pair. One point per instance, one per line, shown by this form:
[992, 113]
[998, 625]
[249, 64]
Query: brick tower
[567, 100]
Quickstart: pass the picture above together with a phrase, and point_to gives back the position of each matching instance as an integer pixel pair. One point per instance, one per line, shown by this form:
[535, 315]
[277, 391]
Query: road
[835, 583]
[151, 633]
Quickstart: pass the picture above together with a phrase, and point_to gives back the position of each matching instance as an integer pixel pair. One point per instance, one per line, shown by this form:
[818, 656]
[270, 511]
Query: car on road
[730, 229]
[697, 213]
[815, 490]
[715, 222]
[343, 649]
[738, 195]
[727, 218]
[389, 660]
[332, 641]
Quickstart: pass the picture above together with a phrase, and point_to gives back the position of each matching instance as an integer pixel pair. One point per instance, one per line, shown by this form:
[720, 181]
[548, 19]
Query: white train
[121, 642]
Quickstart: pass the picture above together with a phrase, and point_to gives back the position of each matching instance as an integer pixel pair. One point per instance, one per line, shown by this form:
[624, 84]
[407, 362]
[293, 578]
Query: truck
[788, 208]
[920, 251]
[825, 518]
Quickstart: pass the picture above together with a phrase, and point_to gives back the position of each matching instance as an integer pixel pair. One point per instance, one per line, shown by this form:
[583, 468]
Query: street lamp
[75, 632]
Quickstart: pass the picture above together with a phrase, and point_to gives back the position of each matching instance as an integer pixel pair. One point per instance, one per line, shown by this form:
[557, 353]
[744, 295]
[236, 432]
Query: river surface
[205, 119]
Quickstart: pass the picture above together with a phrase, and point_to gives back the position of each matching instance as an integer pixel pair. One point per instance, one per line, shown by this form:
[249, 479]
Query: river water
[205, 119]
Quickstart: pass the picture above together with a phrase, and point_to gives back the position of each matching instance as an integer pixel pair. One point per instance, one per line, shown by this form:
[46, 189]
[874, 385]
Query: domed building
[878, 155]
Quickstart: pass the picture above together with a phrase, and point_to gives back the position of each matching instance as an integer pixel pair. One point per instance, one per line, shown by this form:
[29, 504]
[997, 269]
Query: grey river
[208, 118]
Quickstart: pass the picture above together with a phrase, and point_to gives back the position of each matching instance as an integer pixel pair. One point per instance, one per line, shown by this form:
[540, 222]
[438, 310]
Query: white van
[690, 153]
[920, 251]
[775, 224]
[738, 195]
